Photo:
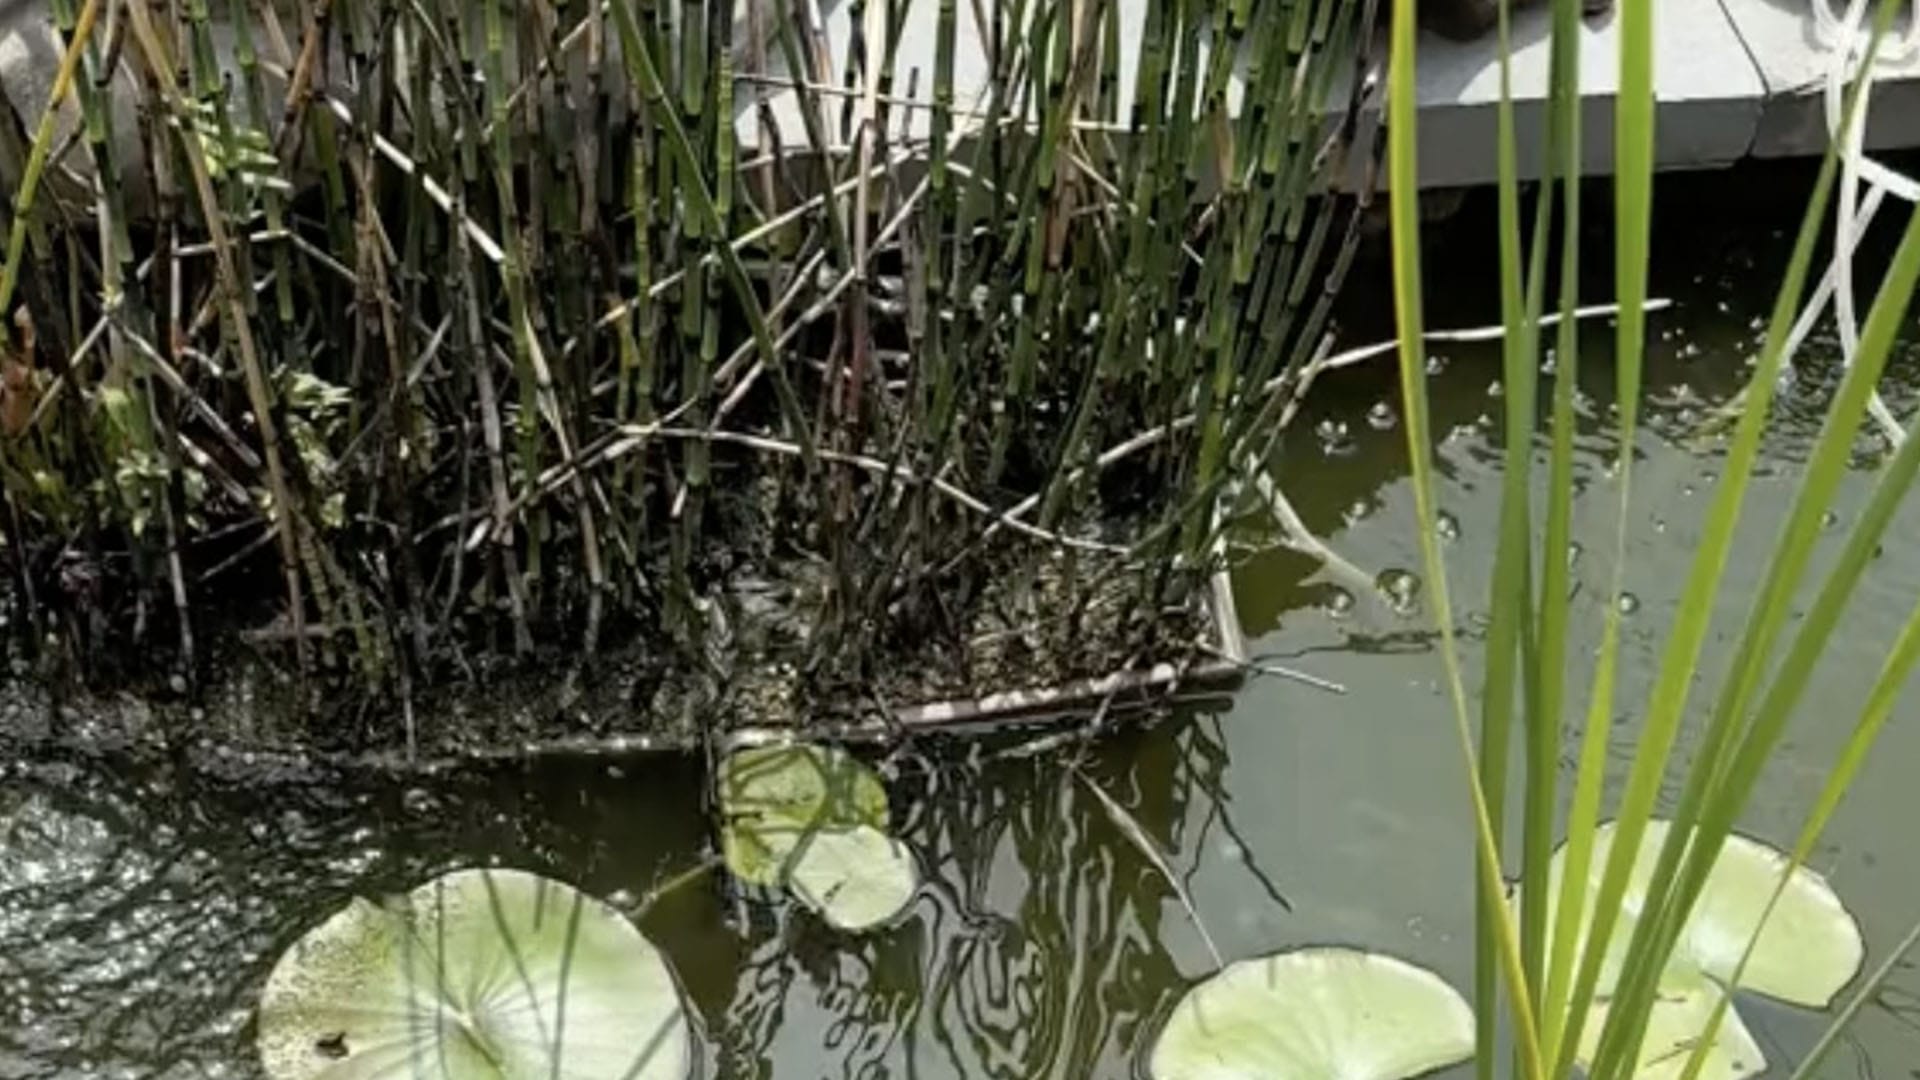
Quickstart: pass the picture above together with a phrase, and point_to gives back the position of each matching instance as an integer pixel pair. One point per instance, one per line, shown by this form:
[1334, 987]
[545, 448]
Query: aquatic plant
[1311, 1013]
[813, 820]
[1534, 964]
[607, 334]
[1799, 946]
[477, 974]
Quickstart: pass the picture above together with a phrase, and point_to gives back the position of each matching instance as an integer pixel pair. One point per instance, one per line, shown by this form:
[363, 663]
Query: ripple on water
[134, 927]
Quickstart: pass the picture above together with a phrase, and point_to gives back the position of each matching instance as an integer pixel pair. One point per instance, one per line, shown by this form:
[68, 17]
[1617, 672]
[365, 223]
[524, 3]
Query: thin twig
[633, 436]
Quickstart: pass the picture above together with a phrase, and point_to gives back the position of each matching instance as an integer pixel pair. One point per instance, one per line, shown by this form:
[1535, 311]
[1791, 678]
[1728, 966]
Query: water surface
[140, 910]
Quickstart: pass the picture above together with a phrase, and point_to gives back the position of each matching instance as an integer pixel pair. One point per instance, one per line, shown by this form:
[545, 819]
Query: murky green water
[139, 913]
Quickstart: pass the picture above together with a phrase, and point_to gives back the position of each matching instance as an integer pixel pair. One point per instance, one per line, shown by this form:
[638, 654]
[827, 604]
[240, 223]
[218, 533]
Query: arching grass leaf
[481, 975]
[1313, 1014]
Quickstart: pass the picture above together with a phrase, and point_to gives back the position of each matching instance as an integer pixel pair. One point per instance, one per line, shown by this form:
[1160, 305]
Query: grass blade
[1404, 206]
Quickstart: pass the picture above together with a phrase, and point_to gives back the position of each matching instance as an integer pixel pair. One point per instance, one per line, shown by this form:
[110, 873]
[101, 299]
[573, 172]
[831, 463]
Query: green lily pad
[1313, 1014]
[1807, 951]
[481, 975]
[773, 796]
[855, 878]
[1679, 1016]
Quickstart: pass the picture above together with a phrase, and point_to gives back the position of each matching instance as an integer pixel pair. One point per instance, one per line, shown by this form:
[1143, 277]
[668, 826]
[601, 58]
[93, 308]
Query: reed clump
[379, 341]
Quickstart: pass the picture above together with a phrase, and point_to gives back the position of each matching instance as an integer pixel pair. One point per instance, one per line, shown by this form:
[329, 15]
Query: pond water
[139, 911]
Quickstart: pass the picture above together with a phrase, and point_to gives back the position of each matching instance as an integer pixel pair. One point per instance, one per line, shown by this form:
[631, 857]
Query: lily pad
[1680, 1013]
[773, 796]
[855, 878]
[1313, 1014]
[1807, 951]
[479, 974]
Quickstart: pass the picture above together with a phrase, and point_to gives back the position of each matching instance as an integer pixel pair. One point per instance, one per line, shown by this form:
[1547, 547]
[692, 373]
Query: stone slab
[1734, 78]
[1783, 37]
[1708, 89]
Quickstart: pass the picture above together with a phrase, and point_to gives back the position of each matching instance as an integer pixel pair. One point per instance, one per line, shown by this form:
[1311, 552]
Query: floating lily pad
[1680, 1013]
[481, 975]
[1314, 1014]
[773, 796]
[1809, 949]
[855, 878]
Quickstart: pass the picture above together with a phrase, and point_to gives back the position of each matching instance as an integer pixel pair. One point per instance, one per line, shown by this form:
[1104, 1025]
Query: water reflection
[1044, 943]
[141, 909]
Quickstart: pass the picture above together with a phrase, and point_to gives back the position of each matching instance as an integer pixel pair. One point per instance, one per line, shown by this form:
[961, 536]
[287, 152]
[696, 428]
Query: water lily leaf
[855, 878]
[1808, 951]
[773, 796]
[1810, 948]
[1680, 1013]
[1313, 1014]
[482, 975]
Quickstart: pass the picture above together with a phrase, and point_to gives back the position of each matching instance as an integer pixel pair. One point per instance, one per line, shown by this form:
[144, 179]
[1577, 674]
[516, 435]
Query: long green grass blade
[1886, 693]
[1633, 205]
[1403, 178]
[1739, 778]
[1667, 703]
[1761, 629]
[1544, 712]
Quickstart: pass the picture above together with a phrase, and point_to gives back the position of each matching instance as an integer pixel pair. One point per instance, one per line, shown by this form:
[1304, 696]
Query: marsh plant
[404, 336]
[1621, 953]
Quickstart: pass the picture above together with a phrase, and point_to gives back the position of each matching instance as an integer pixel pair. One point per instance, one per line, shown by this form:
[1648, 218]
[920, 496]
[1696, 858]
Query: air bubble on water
[418, 801]
[1659, 525]
[1339, 602]
[1494, 389]
[1382, 417]
[1334, 440]
[1436, 364]
[1573, 552]
[1446, 526]
[1401, 588]
[1628, 603]
[1357, 511]
[1550, 363]
[1829, 520]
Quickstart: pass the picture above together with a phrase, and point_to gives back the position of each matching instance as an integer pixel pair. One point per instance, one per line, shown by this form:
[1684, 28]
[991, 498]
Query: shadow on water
[141, 909]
